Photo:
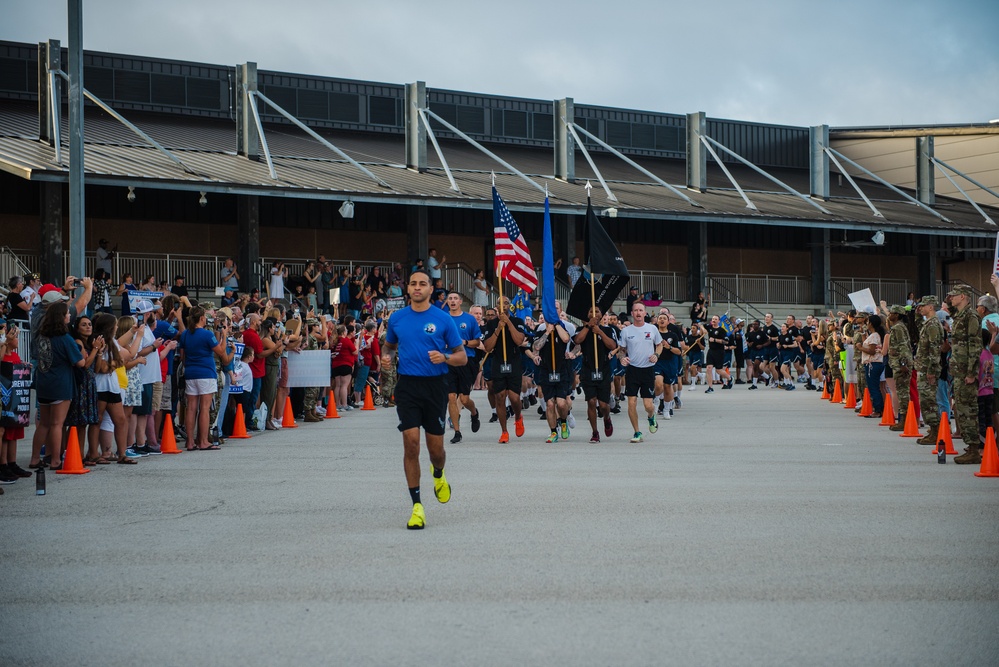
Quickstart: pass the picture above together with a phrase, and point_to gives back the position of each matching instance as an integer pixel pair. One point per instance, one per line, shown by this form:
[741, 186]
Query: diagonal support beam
[870, 205]
[437, 147]
[889, 185]
[145, 137]
[638, 166]
[965, 177]
[593, 166]
[731, 178]
[972, 201]
[315, 135]
[763, 173]
[252, 101]
[482, 148]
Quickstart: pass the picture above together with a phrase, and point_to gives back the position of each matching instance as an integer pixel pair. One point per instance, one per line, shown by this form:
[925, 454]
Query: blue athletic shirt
[468, 329]
[416, 334]
[199, 356]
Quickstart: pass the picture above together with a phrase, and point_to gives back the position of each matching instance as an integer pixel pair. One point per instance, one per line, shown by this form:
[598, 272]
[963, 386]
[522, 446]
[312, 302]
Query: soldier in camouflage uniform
[314, 329]
[832, 361]
[966, 349]
[388, 375]
[901, 362]
[857, 335]
[931, 337]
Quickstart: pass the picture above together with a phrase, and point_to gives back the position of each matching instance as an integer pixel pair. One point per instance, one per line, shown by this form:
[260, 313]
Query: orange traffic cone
[72, 464]
[168, 441]
[911, 424]
[887, 415]
[837, 396]
[943, 435]
[369, 402]
[331, 412]
[851, 397]
[239, 424]
[825, 392]
[288, 419]
[990, 457]
[866, 408]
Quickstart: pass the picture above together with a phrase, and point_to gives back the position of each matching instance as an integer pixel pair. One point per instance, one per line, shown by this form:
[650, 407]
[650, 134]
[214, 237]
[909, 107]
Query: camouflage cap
[929, 300]
[860, 315]
[897, 310]
[311, 322]
[961, 290]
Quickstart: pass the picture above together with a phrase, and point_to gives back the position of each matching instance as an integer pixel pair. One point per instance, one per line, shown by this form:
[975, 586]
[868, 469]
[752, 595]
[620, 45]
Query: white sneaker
[571, 421]
[320, 411]
[275, 423]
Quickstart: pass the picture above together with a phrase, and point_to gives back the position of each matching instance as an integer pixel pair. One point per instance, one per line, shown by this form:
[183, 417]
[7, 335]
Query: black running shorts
[639, 382]
[421, 402]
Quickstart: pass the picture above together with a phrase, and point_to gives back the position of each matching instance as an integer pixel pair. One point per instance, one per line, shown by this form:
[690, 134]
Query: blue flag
[725, 323]
[520, 305]
[548, 273]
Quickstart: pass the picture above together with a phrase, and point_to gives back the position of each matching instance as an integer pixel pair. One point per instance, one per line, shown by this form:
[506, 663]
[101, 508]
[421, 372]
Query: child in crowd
[242, 376]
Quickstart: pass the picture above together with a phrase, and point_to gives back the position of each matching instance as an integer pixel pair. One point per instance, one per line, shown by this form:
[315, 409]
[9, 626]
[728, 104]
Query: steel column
[697, 258]
[416, 135]
[821, 273]
[77, 205]
[247, 138]
[248, 234]
[926, 266]
[818, 175]
[925, 185]
[50, 258]
[49, 60]
[697, 158]
[565, 150]
[417, 241]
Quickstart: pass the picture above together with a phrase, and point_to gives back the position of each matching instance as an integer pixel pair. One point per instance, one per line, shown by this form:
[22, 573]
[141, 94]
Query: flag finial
[493, 174]
[588, 188]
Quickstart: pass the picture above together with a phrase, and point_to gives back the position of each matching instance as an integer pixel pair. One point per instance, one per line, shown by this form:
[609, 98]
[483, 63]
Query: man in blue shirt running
[428, 343]
[461, 378]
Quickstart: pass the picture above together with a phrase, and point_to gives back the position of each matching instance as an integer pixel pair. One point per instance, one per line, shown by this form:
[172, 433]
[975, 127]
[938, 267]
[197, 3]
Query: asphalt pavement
[754, 528]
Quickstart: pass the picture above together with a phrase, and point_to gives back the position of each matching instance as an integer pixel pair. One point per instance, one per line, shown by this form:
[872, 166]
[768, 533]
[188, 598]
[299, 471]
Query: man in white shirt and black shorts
[640, 345]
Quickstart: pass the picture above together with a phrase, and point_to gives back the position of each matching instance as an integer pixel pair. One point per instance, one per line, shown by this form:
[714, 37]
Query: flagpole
[499, 282]
[593, 294]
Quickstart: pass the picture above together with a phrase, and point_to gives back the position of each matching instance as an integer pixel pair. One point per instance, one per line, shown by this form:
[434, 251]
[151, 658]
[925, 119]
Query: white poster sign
[863, 301]
[309, 369]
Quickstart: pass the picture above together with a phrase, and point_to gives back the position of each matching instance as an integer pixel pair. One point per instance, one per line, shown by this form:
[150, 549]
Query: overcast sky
[798, 62]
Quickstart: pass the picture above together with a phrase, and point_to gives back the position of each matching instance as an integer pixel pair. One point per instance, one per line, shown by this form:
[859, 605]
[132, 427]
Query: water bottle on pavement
[40, 482]
[941, 452]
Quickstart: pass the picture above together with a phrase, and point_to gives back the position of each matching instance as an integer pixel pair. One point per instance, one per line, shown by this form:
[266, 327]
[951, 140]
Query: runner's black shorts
[511, 381]
[716, 358]
[460, 378]
[599, 390]
[421, 402]
[552, 390]
[639, 382]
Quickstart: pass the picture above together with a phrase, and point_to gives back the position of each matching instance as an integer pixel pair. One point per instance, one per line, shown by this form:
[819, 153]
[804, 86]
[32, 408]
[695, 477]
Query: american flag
[513, 259]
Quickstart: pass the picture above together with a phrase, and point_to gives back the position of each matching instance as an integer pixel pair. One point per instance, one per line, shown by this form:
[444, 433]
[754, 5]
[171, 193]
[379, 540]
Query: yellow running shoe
[441, 488]
[419, 518]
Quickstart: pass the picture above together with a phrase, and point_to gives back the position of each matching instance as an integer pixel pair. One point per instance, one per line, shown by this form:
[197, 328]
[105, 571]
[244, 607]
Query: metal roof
[305, 168]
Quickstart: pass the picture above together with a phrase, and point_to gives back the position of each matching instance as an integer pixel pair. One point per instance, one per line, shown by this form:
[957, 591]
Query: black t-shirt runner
[757, 340]
[771, 332]
[673, 337]
[603, 360]
[690, 338]
[717, 338]
[787, 342]
[561, 363]
[513, 352]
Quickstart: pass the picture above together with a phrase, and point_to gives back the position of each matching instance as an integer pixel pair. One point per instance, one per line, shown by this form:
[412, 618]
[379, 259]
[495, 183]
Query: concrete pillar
[697, 258]
[818, 160]
[565, 147]
[697, 156]
[247, 137]
[416, 131]
[925, 176]
[50, 259]
[417, 241]
[821, 271]
[926, 266]
[248, 233]
[49, 58]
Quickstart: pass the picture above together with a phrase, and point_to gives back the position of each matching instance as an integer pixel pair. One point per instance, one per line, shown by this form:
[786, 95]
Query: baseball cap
[144, 306]
[961, 290]
[739, 321]
[50, 294]
[929, 300]
[634, 287]
[28, 277]
[179, 277]
[897, 310]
